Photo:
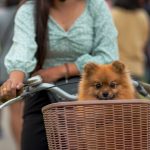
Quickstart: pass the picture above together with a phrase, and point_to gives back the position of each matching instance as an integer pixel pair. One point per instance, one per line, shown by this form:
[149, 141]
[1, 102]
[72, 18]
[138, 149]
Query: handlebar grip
[11, 101]
[7, 98]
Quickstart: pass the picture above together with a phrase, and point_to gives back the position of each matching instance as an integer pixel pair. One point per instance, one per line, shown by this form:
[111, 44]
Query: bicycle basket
[98, 125]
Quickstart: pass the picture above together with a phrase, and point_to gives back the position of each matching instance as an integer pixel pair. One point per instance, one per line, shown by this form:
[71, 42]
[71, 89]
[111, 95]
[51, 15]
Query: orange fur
[109, 81]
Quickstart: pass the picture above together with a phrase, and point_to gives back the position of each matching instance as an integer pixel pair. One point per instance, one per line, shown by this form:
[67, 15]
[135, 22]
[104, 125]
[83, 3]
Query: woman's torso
[92, 37]
[68, 45]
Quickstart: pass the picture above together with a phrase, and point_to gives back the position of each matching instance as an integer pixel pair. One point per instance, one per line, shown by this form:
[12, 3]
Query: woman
[55, 39]
[132, 23]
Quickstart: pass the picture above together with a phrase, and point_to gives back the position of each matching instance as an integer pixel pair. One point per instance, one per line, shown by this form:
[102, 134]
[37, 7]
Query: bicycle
[93, 125]
[35, 84]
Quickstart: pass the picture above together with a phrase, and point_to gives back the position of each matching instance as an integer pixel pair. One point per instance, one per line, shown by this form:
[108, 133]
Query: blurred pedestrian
[147, 49]
[132, 23]
[7, 13]
[147, 6]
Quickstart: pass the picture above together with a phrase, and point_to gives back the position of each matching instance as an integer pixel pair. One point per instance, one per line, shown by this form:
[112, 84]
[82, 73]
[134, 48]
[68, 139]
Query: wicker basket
[98, 125]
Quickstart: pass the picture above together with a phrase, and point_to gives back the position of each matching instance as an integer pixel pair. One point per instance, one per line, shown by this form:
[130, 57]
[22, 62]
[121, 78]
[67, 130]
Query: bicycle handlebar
[35, 84]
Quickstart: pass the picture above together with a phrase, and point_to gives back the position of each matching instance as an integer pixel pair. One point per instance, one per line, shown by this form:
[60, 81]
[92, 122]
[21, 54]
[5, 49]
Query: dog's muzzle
[105, 96]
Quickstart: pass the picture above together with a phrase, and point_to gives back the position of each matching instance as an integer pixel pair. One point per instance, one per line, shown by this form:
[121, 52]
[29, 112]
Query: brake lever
[33, 81]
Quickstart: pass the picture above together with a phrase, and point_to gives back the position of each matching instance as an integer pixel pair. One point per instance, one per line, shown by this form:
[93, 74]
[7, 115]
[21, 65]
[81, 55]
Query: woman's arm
[21, 55]
[105, 44]
[20, 59]
[52, 74]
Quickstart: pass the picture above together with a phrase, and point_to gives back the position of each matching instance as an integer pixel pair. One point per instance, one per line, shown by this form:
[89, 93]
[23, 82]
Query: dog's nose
[105, 94]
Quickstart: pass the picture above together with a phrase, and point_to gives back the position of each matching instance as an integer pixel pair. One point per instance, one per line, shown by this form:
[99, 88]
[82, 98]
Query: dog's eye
[98, 85]
[113, 85]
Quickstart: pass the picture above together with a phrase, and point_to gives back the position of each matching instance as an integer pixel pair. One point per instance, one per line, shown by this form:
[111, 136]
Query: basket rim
[95, 102]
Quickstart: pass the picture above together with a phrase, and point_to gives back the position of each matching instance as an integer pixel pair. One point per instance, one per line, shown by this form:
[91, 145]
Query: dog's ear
[90, 68]
[118, 67]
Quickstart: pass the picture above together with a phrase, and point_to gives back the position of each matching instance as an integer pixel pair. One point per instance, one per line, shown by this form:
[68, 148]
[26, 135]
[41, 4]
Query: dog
[106, 82]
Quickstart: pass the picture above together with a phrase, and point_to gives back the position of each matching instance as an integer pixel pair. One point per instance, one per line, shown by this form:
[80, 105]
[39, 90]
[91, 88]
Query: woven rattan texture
[111, 125]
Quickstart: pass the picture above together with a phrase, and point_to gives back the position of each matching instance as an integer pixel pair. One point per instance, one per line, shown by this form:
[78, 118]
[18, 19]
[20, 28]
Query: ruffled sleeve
[105, 47]
[21, 54]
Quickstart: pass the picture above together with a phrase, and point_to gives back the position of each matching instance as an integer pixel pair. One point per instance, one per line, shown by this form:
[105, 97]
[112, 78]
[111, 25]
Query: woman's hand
[15, 82]
[51, 74]
[54, 73]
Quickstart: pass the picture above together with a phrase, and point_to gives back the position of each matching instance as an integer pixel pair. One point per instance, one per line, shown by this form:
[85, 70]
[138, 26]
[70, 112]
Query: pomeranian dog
[106, 82]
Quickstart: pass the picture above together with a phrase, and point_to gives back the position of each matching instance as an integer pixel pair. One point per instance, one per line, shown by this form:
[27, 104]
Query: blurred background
[11, 117]
[7, 141]
[132, 22]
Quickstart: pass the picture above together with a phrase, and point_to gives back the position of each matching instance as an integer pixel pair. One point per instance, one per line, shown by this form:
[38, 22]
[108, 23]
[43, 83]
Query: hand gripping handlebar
[34, 85]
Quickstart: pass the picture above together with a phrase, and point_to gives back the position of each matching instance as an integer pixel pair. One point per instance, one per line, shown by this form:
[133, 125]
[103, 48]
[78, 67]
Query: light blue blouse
[92, 38]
